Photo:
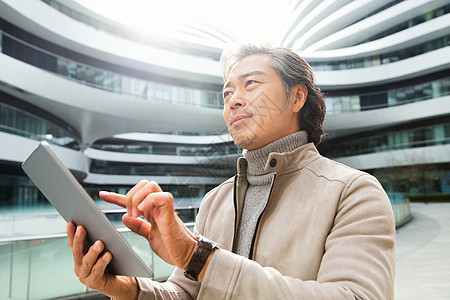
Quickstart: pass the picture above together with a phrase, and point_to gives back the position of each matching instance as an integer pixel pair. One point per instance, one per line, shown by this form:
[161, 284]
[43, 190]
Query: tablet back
[74, 204]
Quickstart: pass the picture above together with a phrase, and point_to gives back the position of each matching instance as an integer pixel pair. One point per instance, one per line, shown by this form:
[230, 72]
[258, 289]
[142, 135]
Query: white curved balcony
[343, 124]
[16, 149]
[178, 139]
[399, 158]
[40, 19]
[155, 158]
[401, 40]
[307, 15]
[97, 114]
[339, 15]
[359, 31]
[430, 62]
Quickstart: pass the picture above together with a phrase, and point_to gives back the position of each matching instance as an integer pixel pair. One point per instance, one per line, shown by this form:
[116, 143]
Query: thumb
[137, 225]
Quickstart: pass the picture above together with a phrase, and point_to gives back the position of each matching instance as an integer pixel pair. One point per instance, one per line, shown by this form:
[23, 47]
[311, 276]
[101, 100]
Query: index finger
[114, 198]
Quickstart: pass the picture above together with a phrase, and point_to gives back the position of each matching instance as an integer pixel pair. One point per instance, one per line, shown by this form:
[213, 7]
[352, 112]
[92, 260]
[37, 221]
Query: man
[291, 224]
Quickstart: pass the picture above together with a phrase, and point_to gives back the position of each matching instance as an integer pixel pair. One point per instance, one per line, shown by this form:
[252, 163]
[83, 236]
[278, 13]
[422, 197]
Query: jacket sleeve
[176, 287]
[357, 263]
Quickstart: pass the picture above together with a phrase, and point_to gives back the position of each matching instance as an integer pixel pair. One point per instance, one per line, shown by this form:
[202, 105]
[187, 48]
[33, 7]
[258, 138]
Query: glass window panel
[108, 81]
[90, 76]
[337, 104]
[166, 95]
[142, 89]
[61, 66]
[116, 83]
[151, 87]
[65, 10]
[71, 69]
[125, 85]
[55, 5]
[189, 97]
[173, 91]
[159, 91]
[197, 98]
[134, 89]
[439, 134]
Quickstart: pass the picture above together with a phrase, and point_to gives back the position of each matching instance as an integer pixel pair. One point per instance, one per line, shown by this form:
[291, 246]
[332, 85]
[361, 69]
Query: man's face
[255, 106]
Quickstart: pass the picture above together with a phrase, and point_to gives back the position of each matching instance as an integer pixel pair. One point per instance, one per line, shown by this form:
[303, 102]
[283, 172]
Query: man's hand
[90, 268]
[168, 237]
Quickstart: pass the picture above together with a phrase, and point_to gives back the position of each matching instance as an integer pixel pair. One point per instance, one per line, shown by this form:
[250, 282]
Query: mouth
[239, 119]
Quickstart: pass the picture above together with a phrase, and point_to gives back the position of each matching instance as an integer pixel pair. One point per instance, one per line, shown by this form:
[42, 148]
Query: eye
[249, 82]
[226, 94]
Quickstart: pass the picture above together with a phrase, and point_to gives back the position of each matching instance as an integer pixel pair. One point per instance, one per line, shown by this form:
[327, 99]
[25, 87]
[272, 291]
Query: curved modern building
[385, 69]
[119, 105]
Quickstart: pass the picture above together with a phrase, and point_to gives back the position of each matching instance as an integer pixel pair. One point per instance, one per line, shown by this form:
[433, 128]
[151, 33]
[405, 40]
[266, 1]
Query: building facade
[119, 105]
[149, 109]
[384, 68]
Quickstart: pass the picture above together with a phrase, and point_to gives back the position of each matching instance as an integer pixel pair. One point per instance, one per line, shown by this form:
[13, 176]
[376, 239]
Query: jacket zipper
[259, 219]
[235, 212]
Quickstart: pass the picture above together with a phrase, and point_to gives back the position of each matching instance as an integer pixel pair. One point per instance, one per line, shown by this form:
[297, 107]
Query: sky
[247, 20]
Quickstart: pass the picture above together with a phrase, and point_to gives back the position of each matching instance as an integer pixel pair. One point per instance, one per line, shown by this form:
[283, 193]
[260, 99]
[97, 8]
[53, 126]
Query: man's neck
[257, 158]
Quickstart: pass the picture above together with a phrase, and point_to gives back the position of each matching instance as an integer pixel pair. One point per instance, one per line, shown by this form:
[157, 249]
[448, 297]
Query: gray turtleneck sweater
[260, 182]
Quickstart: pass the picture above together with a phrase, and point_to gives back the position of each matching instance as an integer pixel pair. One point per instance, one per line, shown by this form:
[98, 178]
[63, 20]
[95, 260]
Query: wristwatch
[204, 248]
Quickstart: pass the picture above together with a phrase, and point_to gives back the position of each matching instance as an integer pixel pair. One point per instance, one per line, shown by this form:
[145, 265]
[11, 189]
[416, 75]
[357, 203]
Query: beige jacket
[327, 232]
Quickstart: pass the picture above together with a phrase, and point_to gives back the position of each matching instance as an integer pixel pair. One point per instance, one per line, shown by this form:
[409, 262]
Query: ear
[299, 93]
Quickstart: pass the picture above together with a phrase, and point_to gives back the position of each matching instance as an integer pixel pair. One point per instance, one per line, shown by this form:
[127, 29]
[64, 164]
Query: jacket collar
[283, 162]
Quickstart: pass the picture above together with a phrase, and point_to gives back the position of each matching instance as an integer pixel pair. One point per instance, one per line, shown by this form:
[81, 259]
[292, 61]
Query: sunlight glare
[245, 21]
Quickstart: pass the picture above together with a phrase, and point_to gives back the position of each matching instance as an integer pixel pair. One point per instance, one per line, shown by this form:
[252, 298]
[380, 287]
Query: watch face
[211, 243]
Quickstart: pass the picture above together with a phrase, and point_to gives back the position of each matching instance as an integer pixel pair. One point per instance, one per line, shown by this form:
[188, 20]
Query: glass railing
[217, 168]
[19, 122]
[39, 264]
[42, 267]
[414, 177]
[140, 147]
[401, 208]
[19, 195]
[107, 80]
[401, 96]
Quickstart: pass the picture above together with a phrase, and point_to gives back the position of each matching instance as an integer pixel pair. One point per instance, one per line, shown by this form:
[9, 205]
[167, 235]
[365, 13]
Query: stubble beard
[243, 137]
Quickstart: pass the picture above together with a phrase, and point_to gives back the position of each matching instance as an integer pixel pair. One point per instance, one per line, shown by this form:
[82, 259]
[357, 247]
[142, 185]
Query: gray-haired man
[291, 224]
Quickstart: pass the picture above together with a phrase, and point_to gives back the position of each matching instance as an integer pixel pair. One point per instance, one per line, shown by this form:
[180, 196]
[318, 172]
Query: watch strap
[204, 248]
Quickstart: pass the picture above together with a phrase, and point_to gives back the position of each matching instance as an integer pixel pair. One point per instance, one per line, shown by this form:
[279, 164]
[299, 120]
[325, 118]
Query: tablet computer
[74, 204]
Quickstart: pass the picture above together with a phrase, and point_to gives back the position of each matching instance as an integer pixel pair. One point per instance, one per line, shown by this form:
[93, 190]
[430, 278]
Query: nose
[237, 100]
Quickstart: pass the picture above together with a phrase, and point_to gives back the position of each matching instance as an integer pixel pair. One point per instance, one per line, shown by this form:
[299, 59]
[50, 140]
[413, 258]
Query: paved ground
[423, 254]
